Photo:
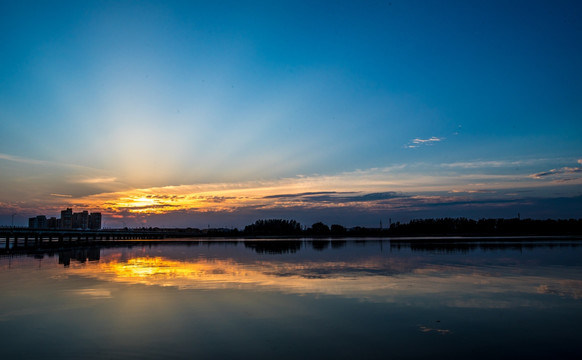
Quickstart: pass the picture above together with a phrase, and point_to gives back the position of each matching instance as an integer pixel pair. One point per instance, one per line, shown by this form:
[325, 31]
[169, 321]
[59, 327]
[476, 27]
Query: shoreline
[428, 242]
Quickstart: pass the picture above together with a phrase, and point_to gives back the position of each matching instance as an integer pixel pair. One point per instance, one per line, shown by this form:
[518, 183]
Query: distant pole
[13, 215]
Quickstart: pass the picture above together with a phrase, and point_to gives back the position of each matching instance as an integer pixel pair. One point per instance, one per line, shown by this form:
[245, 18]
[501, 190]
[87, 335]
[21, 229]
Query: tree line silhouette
[421, 227]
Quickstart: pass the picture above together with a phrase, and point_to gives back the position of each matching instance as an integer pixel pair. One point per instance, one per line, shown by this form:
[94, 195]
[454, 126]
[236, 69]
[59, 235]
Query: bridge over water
[12, 239]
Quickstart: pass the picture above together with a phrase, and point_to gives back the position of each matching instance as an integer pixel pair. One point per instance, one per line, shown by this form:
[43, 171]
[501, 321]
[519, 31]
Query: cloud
[23, 160]
[414, 143]
[62, 195]
[425, 329]
[140, 208]
[97, 180]
[280, 196]
[481, 164]
[457, 191]
[337, 197]
[29, 161]
[563, 174]
[436, 202]
[557, 172]
[171, 197]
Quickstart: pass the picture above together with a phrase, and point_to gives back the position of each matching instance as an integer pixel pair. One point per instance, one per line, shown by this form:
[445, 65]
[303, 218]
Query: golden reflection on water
[464, 286]
[166, 272]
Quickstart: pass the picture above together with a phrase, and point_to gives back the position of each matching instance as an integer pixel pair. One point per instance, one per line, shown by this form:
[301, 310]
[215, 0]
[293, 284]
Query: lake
[289, 299]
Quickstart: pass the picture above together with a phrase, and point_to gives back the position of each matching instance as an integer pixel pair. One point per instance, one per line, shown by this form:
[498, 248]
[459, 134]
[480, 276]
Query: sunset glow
[362, 191]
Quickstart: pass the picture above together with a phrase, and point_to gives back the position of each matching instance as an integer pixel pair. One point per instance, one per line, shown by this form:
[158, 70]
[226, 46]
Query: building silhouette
[38, 222]
[95, 221]
[69, 220]
[81, 220]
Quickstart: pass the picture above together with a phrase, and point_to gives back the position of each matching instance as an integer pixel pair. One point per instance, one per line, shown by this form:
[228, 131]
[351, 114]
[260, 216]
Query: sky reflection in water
[347, 292]
[468, 282]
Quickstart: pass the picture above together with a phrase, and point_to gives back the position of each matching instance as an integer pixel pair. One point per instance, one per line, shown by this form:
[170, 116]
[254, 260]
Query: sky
[218, 113]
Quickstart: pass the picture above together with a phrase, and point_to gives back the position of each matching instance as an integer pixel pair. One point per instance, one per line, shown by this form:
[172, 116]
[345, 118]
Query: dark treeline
[425, 227]
[273, 227]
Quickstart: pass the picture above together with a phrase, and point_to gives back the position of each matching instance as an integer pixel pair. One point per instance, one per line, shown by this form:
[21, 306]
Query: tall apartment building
[81, 220]
[67, 219]
[38, 222]
[53, 223]
[95, 221]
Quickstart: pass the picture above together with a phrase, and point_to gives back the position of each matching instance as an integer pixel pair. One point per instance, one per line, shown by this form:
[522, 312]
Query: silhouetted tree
[319, 229]
[338, 230]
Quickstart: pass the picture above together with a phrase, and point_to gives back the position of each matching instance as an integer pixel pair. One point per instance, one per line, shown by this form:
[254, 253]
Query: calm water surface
[294, 299]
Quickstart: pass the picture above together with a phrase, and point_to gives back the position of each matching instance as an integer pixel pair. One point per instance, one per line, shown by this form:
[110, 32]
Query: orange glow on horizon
[209, 198]
[294, 193]
[230, 197]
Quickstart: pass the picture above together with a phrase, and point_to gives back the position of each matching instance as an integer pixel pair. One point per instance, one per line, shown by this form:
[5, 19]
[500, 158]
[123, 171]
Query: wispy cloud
[62, 195]
[96, 180]
[337, 197]
[554, 173]
[481, 164]
[22, 160]
[414, 143]
[425, 329]
[36, 162]
[305, 194]
[456, 191]
[506, 163]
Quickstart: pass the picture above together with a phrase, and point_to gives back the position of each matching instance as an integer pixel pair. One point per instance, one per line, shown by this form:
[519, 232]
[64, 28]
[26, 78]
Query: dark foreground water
[294, 299]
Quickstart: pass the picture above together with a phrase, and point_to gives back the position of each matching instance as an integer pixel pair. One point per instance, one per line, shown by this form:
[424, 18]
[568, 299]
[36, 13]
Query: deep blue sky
[444, 108]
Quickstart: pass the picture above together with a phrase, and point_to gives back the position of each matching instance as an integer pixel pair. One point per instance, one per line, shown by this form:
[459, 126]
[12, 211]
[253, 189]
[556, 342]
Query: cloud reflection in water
[376, 279]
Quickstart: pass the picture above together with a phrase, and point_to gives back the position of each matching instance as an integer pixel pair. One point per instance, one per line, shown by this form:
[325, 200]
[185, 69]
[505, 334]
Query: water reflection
[79, 255]
[274, 247]
[448, 276]
[294, 299]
